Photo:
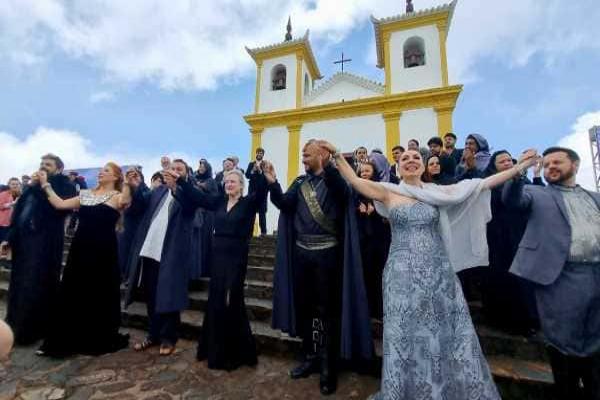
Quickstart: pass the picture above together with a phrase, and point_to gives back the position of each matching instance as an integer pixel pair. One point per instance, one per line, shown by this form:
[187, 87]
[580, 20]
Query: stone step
[494, 342]
[267, 339]
[516, 379]
[257, 273]
[253, 289]
[262, 260]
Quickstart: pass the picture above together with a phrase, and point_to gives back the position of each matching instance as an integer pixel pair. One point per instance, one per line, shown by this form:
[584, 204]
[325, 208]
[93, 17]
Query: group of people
[357, 239]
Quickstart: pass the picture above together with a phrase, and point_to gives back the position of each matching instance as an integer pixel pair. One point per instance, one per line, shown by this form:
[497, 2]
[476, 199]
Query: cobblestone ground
[131, 375]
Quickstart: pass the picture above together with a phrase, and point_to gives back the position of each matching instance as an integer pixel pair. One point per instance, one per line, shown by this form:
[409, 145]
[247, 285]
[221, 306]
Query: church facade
[415, 101]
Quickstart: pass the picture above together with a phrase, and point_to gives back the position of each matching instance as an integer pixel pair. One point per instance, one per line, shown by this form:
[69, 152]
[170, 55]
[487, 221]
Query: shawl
[464, 213]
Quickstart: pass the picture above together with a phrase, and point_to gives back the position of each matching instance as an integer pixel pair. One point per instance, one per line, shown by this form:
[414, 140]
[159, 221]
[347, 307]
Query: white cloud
[101, 97]
[579, 141]
[19, 157]
[184, 44]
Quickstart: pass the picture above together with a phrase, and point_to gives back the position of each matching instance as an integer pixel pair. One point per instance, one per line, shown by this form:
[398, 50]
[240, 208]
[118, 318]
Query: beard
[562, 177]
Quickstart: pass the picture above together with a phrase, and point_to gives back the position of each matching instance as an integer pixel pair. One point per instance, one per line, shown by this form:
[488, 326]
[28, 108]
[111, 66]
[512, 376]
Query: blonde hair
[237, 173]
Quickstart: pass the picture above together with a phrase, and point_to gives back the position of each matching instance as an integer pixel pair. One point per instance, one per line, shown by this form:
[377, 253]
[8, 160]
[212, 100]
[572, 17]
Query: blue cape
[356, 340]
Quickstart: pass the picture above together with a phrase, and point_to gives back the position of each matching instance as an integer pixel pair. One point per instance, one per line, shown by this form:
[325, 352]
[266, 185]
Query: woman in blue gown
[430, 347]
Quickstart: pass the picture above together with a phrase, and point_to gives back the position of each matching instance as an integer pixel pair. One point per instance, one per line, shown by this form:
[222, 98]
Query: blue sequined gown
[431, 350]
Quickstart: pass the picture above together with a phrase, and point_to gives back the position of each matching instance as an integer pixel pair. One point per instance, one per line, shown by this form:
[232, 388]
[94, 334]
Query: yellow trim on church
[293, 152]
[443, 33]
[392, 131]
[300, 49]
[258, 84]
[444, 119]
[256, 140]
[388, 70]
[299, 59]
[429, 98]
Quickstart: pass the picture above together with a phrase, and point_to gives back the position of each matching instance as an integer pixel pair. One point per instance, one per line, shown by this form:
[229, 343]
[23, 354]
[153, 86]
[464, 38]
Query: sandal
[144, 345]
[166, 349]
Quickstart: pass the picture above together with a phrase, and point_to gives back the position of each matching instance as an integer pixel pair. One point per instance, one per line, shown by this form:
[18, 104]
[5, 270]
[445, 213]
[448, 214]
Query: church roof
[288, 47]
[348, 77]
[439, 14]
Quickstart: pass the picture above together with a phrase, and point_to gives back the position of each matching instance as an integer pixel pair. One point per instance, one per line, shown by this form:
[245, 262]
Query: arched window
[306, 84]
[414, 52]
[278, 77]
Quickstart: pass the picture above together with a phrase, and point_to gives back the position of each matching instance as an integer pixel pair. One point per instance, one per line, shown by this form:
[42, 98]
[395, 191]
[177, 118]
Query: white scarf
[464, 213]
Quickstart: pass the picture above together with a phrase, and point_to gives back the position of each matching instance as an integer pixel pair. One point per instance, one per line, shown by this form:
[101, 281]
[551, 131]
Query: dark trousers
[262, 221]
[569, 311]
[318, 276]
[570, 371]
[163, 326]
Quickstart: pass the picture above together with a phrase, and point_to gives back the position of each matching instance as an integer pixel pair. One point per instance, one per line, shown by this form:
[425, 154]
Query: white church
[414, 102]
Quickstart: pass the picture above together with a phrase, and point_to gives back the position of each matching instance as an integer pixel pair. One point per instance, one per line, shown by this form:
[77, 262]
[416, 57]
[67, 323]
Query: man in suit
[560, 253]
[395, 168]
[254, 168]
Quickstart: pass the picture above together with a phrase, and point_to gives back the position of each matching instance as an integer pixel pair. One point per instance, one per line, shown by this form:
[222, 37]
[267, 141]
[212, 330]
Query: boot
[328, 378]
[306, 368]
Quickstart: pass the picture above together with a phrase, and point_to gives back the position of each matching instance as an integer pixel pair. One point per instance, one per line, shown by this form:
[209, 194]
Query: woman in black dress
[375, 236]
[203, 223]
[227, 341]
[88, 314]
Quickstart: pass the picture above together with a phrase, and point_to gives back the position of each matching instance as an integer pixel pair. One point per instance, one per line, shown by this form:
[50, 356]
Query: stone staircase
[519, 364]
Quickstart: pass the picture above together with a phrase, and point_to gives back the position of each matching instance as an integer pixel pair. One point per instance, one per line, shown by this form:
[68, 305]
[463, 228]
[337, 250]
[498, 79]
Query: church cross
[342, 61]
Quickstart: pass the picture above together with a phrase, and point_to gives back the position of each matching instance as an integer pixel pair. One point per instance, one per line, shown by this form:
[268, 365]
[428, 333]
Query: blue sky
[108, 81]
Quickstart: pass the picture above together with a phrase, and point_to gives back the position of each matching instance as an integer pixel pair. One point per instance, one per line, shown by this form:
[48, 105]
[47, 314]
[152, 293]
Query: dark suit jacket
[545, 246]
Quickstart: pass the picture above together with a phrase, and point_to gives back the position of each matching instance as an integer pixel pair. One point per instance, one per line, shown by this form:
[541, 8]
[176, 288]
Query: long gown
[227, 340]
[88, 315]
[431, 350]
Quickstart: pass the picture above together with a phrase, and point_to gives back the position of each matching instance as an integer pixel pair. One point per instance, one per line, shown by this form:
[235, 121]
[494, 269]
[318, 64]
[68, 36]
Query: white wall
[418, 124]
[305, 71]
[275, 100]
[417, 78]
[275, 142]
[347, 133]
[342, 90]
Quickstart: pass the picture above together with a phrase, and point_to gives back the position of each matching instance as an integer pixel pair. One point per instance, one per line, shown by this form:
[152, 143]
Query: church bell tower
[285, 73]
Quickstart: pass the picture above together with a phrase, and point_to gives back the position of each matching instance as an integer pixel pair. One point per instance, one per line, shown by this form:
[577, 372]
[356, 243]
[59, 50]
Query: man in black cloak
[319, 292]
[36, 239]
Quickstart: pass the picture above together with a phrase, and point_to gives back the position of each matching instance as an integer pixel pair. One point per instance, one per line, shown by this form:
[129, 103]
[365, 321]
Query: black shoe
[327, 384]
[305, 369]
[328, 378]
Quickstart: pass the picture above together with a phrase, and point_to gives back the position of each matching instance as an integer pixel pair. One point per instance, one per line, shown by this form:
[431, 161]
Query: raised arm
[528, 159]
[367, 188]
[189, 196]
[287, 201]
[54, 199]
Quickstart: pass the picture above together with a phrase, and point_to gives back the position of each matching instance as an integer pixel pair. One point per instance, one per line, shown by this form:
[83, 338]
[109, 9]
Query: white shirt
[155, 238]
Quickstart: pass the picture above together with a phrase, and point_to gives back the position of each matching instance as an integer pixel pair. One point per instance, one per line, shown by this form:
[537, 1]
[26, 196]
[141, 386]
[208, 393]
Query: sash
[310, 196]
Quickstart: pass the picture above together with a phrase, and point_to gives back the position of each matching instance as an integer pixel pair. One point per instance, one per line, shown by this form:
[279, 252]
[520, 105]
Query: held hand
[268, 171]
[537, 170]
[370, 209]
[171, 179]
[469, 159]
[133, 178]
[165, 162]
[35, 179]
[527, 159]
[328, 147]
[43, 177]
[362, 208]
[4, 249]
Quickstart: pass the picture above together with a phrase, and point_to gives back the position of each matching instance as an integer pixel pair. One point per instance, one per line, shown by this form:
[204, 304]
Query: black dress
[375, 236]
[227, 341]
[88, 315]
